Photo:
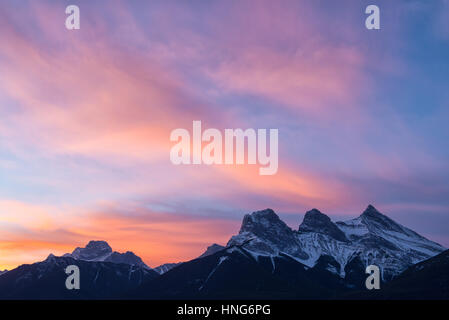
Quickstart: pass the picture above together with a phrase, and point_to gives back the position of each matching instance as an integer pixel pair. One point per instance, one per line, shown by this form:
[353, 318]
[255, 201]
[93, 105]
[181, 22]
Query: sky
[86, 116]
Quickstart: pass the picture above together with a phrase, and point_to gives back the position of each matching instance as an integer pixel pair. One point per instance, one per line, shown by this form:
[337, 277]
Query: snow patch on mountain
[163, 268]
[211, 250]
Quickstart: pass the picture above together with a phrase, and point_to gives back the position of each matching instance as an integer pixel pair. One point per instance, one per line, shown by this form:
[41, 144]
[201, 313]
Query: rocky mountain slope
[235, 273]
[428, 279]
[168, 266]
[46, 279]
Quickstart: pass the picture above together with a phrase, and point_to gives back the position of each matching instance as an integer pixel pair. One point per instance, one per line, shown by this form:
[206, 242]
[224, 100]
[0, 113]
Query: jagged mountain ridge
[101, 251]
[372, 237]
[236, 273]
[321, 259]
[213, 248]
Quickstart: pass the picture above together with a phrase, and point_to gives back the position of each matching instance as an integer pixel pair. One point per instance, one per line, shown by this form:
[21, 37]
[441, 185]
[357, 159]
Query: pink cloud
[316, 80]
[158, 237]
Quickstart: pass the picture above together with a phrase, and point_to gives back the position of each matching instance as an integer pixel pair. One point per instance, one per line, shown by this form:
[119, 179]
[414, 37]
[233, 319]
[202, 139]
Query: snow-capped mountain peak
[260, 220]
[102, 251]
[372, 237]
[372, 223]
[264, 232]
[315, 221]
[372, 218]
[94, 250]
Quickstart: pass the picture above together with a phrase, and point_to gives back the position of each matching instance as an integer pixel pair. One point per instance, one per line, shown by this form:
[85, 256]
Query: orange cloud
[157, 237]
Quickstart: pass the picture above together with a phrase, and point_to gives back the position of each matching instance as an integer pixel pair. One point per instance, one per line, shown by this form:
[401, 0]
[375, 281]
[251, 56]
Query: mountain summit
[371, 216]
[258, 221]
[101, 251]
[94, 250]
[374, 220]
[315, 221]
[265, 232]
[211, 250]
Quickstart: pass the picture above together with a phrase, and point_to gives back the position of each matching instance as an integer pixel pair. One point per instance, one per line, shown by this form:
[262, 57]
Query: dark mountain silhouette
[315, 221]
[211, 250]
[235, 273]
[426, 280]
[267, 259]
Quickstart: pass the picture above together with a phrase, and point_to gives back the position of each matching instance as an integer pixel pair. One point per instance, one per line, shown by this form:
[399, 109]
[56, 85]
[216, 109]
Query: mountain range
[321, 259]
[372, 237]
